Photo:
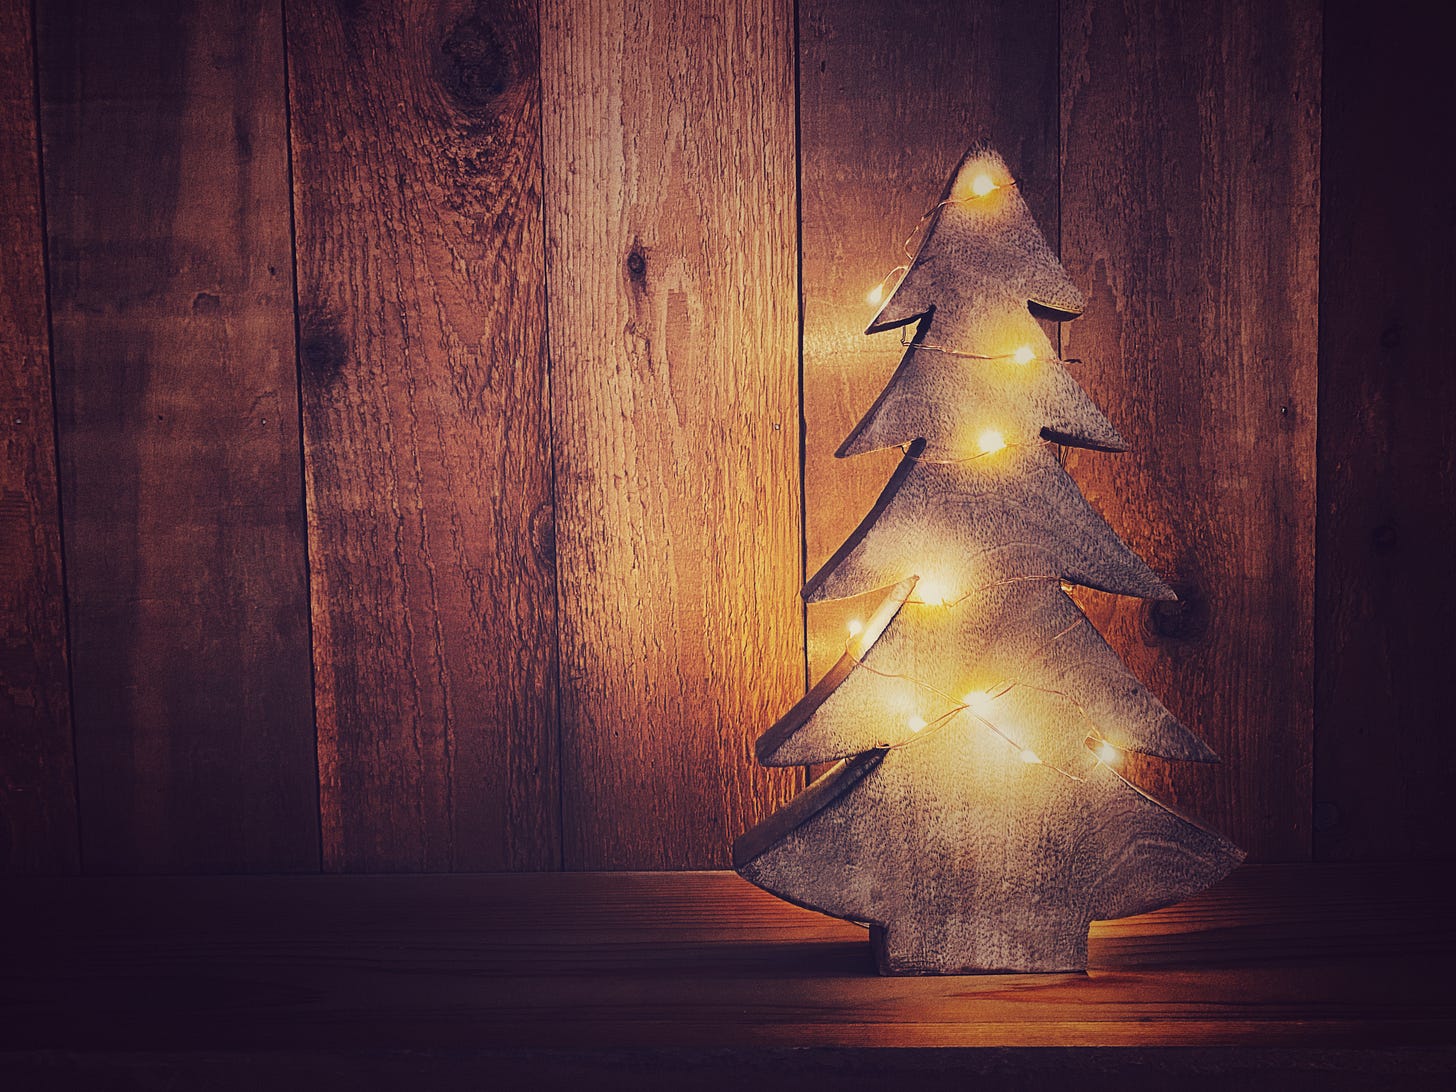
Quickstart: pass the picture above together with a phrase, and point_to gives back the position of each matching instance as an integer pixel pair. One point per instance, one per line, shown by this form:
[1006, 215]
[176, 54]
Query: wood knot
[1390, 337]
[474, 65]
[1184, 620]
[323, 352]
[1384, 539]
[637, 266]
[543, 535]
[351, 11]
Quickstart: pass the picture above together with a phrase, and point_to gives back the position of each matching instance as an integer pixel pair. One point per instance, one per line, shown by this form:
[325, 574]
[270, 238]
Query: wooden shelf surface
[1275, 956]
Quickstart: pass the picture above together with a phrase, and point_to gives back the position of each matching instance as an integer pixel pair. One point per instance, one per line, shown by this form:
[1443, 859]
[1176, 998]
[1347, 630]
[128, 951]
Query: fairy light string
[1023, 354]
[975, 702]
[982, 186]
[989, 442]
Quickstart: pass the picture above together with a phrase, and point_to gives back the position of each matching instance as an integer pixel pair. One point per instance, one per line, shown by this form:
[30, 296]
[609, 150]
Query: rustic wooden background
[419, 416]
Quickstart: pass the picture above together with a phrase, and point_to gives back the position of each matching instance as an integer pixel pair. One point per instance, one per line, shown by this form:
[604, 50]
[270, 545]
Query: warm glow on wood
[908, 831]
[931, 593]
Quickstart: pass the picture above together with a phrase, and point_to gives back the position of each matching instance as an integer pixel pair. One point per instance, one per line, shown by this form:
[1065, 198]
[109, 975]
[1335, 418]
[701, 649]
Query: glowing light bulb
[876, 295]
[1106, 752]
[856, 627]
[991, 441]
[1029, 757]
[982, 184]
[1023, 355]
[979, 703]
[917, 724]
[930, 593]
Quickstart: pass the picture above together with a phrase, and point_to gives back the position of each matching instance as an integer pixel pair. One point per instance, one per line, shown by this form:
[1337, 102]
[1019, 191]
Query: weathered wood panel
[166, 184]
[671, 246]
[422, 312]
[1278, 955]
[37, 775]
[1385, 648]
[892, 96]
[1190, 219]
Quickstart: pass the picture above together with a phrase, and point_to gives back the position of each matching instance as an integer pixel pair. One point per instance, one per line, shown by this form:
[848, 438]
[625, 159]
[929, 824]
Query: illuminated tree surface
[976, 819]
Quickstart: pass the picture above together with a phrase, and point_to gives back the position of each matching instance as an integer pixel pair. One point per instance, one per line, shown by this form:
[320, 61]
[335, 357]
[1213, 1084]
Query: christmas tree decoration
[976, 820]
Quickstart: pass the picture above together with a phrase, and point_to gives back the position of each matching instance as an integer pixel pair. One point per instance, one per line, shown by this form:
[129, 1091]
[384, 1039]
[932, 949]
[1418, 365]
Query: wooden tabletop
[1277, 955]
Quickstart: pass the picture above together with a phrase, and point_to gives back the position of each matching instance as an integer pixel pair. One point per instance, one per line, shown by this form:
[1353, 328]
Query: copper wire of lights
[920, 728]
[990, 441]
[983, 185]
[1022, 355]
[1104, 750]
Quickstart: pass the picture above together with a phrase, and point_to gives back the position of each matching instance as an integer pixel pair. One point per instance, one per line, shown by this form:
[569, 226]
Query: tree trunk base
[966, 949]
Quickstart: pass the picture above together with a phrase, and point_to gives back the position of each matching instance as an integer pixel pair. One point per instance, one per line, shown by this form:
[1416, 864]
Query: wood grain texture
[670, 225]
[966, 859]
[979, 247]
[1190, 213]
[978, 357]
[1385, 651]
[1292, 956]
[422, 310]
[37, 774]
[166, 184]
[1025, 652]
[891, 96]
[1014, 513]
[985, 834]
[935, 392]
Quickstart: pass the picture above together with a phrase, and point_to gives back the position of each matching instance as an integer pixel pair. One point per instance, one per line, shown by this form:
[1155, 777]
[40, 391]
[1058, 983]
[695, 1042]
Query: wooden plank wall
[164, 144]
[669, 151]
[479, 550]
[1190, 220]
[417, 173]
[37, 779]
[1385, 649]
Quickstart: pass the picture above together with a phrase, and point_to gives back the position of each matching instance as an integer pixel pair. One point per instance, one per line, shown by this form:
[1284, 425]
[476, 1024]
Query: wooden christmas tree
[976, 821]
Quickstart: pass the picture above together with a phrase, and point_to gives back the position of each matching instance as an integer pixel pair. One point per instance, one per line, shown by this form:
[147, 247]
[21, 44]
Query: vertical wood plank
[892, 95]
[37, 776]
[417, 165]
[670, 181]
[1385, 654]
[166, 190]
[1190, 218]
